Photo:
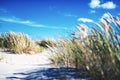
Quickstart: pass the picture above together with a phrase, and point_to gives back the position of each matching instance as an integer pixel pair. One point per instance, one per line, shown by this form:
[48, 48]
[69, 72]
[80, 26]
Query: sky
[51, 19]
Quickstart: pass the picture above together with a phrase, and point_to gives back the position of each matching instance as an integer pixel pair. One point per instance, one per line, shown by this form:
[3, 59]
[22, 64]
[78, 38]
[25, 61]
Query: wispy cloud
[19, 21]
[85, 20]
[28, 23]
[106, 5]
[92, 11]
[69, 15]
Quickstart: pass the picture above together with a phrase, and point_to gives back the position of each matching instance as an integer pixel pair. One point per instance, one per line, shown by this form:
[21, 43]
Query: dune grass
[1, 41]
[19, 43]
[46, 43]
[98, 52]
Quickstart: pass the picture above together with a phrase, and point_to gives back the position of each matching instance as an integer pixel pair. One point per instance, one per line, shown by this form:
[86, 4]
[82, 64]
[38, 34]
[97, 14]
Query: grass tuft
[19, 43]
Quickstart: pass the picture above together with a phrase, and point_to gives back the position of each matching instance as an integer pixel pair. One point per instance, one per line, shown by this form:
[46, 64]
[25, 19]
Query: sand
[13, 63]
[35, 67]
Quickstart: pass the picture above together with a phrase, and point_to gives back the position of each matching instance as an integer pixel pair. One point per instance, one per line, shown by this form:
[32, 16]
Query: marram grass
[19, 43]
[46, 43]
[98, 52]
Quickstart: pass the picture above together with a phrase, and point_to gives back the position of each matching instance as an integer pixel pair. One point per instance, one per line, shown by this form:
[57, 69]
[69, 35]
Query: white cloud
[108, 17]
[28, 23]
[94, 3]
[24, 22]
[106, 5]
[84, 20]
[105, 15]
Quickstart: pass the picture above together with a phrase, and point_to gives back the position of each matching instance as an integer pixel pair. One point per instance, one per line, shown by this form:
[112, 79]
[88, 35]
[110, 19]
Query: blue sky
[42, 19]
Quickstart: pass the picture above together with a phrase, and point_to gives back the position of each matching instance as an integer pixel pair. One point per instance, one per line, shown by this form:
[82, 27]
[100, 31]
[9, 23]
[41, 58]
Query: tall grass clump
[20, 43]
[65, 54]
[46, 43]
[1, 41]
[97, 51]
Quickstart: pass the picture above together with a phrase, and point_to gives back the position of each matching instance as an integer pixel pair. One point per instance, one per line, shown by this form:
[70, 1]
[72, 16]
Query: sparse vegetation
[98, 52]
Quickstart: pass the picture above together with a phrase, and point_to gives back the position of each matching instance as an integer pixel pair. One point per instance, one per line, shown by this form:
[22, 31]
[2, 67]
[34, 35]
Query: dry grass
[98, 52]
[1, 41]
[46, 43]
[20, 43]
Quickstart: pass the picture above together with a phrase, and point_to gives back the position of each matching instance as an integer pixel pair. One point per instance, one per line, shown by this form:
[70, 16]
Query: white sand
[39, 58]
[13, 63]
[33, 67]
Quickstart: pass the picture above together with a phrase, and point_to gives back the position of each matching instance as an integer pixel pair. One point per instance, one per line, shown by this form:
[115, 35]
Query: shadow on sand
[52, 74]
